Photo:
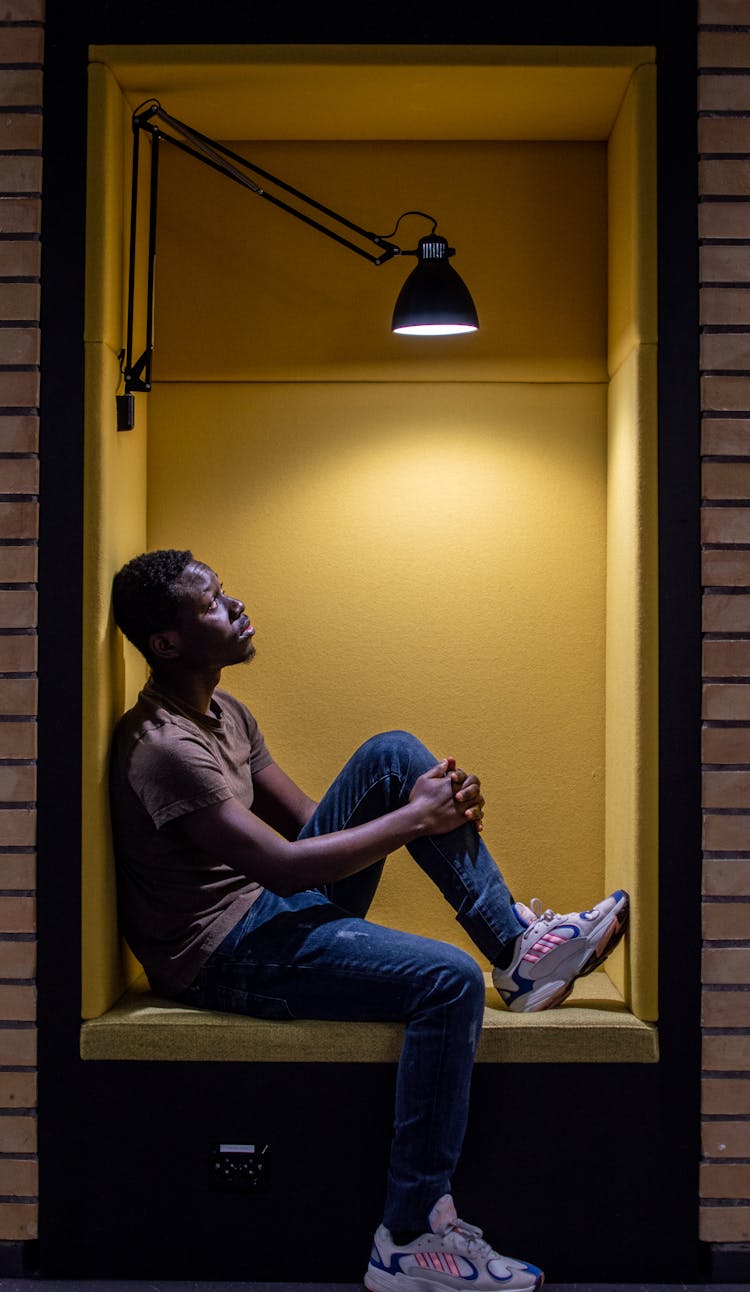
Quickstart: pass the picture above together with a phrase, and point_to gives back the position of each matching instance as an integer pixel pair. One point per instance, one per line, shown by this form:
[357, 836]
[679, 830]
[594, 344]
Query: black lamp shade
[434, 300]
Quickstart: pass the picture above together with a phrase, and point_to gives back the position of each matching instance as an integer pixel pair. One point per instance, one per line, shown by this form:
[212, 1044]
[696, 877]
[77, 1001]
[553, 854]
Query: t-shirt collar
[214, 720]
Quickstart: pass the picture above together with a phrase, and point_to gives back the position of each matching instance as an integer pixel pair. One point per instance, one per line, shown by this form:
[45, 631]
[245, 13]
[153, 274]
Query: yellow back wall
[419, 555]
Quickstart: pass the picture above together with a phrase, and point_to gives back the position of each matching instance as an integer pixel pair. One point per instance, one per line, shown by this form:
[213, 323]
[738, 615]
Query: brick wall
[724, 225]
[21, 44]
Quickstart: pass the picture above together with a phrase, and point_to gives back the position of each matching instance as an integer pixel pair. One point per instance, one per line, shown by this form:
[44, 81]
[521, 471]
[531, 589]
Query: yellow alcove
[458, 539]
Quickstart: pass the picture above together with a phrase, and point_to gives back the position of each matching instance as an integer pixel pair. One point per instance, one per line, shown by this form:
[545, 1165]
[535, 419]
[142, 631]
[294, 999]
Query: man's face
[212, 628]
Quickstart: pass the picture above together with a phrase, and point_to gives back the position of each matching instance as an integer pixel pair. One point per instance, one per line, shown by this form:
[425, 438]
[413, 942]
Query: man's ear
[165, 645]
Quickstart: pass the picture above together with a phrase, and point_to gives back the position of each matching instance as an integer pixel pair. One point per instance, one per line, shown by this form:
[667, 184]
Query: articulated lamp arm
[432, 273]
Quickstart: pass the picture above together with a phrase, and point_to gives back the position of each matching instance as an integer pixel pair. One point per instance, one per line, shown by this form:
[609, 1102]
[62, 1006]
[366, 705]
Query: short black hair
[145, 597]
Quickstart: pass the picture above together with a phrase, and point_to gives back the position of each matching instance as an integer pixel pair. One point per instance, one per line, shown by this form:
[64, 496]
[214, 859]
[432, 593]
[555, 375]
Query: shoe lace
[536, 906]
[469, 1237]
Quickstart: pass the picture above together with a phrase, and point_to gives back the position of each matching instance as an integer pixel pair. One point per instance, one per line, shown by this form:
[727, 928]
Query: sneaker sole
[607, 943]
[559, 992]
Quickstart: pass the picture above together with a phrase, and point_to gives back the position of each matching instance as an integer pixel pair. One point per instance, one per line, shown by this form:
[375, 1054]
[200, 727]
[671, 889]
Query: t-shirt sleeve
[174, 774]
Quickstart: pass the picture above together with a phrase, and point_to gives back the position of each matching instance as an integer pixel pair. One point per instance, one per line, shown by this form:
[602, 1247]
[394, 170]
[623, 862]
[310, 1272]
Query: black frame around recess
[91, 1115]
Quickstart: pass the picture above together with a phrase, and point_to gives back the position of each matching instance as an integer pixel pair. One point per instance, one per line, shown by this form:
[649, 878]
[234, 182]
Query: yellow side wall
[632, 540]
[631, 185]
[114, 528]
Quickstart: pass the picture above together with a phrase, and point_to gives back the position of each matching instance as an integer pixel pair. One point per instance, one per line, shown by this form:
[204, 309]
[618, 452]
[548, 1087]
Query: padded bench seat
[594, 1025]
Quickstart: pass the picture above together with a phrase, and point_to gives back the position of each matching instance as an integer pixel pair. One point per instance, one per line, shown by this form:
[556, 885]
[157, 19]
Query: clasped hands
[450, 795]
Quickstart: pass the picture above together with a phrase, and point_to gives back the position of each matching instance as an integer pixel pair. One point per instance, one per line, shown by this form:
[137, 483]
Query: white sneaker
[451, 1254]
[554, 950]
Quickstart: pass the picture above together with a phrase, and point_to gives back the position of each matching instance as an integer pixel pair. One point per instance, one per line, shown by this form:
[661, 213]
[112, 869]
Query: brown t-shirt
[176, 902]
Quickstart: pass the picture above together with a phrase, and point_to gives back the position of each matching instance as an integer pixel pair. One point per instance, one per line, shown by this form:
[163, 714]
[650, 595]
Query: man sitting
[238, 892]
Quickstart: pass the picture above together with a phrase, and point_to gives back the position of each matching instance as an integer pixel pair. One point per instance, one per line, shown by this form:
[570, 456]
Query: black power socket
[239, 1168]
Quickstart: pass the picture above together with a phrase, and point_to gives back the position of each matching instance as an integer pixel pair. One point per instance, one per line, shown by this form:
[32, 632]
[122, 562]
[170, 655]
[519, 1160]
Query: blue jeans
[313, 955]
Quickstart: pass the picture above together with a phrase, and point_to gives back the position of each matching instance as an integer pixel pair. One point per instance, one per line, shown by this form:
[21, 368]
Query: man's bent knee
[402, 751]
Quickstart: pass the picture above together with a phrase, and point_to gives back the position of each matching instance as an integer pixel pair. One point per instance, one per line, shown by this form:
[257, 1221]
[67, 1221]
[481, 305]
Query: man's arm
[242, 840]
[281, 803]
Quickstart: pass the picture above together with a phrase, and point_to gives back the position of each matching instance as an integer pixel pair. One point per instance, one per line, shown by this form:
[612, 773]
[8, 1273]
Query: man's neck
[191, 687]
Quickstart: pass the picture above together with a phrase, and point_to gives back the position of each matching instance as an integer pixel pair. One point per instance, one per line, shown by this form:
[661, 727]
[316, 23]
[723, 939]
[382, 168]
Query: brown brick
[18, 1050]
[726, 569]
[723, 93]
[19, 433]
[726, 264]
[17, 1004]
[18, 301]
[718, 350]
[725, 1180]
[726, 1053]
[724, 1224]
[18, 608]
[723, 49]
[17, 651]
[18, 1221]
[18, 565]
[720, 1008]
[721, 744]
[715, 135]
[726, 877]
[17, 829]
[723, 219]
[727, 613]
[20, 173]
[19, 344]
[729, 966]
[720, 1139]
[725, 1098]
[22, 45]
[726, 701]
[726, 833]
[725, 394]
[17, 785]
[724, 179]
[725, 524]
[17, 1089]
[19, 520]
[18, 695]
[17, 914]
[18, 1134]
[718, 12]
[25, 10]
[17, 959]
[18, 740]
[20, 259]
[726, 922]
[19, 475]
[726, 790]
[18, 389]
[725, 306]
[20, 88]
[17, 870]
[19, 1176]
[726, 659]
[20, 215]
[20, 130]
